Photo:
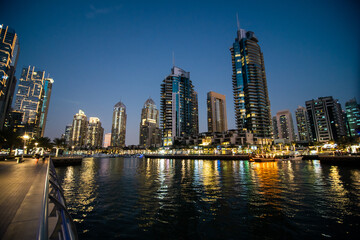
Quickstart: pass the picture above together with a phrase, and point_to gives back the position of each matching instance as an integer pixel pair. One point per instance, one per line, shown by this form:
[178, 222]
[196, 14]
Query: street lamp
[25, 137]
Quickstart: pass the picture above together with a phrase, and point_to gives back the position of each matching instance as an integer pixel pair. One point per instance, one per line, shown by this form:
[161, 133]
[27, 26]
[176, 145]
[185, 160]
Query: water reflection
[181, 199]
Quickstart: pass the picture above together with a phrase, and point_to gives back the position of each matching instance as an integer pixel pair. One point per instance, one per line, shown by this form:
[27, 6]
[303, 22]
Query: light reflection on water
[206, 199]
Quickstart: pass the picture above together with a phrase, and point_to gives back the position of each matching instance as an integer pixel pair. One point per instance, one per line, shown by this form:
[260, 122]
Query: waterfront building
[353, 117]
[179, 110]
[67, 134]
[285, 126]
[275, 128]
[118, 130]
[95, 133]
[107, 140]
[216, 112]
[32, 98]
[149, 125]
[78, 130]
[251, 99]
[303, 125]
[9, 52]
[325, 119]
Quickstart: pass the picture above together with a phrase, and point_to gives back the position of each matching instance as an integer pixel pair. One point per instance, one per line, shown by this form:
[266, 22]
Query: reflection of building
[94, 135]
[216, 111]
[149, 125]
[251, 100]
[9, 52]
[32, 98]
[302, 121]
[107, 140]
[353, 117]
[326, 119]
[78, 130]
[179, 111]
[118, 130]
[285, 126]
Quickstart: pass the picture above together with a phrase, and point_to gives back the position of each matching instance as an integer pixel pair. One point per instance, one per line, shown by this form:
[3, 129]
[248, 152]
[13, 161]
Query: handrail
[65, 227]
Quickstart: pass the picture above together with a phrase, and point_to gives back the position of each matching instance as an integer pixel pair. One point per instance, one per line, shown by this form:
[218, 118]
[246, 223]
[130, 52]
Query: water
[135, 198]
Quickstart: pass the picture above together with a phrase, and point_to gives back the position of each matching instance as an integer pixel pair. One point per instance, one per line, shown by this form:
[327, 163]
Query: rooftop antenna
[173, 58]
[237, 20]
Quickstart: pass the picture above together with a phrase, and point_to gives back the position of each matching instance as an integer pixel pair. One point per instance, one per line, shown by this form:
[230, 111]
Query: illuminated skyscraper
[32, 98]
[118, 130]
[67, 134]
[285, 126]
[216, 111]
[179, 110]
[95, 133]
[9, 52]
[353, 117]
[149, 126]
[78, 130]
[107, 140]
[251, 100]
[326, 119]
[303, 126]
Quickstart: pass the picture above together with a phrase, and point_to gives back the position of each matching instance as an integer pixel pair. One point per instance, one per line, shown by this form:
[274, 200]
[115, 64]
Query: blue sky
[101, 52]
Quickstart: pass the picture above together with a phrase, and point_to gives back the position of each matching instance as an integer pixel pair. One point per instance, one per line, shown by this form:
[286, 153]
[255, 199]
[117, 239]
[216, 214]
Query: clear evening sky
[101, 52]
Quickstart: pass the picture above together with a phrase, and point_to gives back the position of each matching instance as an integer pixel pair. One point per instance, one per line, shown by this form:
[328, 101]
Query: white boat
[295, 157]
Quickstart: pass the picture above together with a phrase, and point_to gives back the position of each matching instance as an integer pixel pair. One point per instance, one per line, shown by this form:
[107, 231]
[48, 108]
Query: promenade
[21, 193]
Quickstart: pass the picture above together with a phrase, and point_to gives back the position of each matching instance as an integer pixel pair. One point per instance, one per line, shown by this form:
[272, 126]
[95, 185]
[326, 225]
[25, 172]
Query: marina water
[139, 198]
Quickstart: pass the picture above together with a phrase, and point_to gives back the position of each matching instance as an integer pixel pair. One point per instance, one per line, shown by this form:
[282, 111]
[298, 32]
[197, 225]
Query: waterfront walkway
[21, 193]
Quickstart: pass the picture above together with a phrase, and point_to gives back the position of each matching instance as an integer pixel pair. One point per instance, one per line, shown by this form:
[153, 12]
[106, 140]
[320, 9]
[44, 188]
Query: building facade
[325, 119]
[78, 130]
[303, 125]
[118, 130]
[285, 126]
[216, 112]
[67, 134]
[32, 98]
[149, 125]
[179, 110]
[251, 99]
[353, 117]
[107, 140]
[95, 133]
[9, 52]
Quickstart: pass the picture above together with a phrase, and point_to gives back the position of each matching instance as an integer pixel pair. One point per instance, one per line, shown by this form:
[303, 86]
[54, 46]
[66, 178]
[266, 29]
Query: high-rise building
[326, 119]
[107, 140]
[179, 110]
[216, 112]
[275, 128]
[32, 98]
[285, 125]
[9, 52]
[353, 117]
[118, 130]
[95, 133]
[251, 99]
[149, 125]
[78, 130]
[303, 125]
[67, 134]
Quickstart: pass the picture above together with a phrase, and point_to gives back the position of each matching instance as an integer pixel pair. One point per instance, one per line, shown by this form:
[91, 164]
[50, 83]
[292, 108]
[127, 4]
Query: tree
[9, 139]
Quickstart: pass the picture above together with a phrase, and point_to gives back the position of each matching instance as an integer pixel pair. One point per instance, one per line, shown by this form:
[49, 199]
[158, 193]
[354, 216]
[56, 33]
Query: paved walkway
[21, 192]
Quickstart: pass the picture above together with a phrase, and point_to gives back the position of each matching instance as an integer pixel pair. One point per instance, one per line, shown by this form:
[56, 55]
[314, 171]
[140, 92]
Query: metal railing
[62, 226]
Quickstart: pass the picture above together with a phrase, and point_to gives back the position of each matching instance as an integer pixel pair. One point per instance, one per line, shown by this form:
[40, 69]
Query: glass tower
[179, 110]
[251, 100]
[78, 130]
[118, 130]
[353, 117]
[9, 52]
[302, 121]
[149, 125]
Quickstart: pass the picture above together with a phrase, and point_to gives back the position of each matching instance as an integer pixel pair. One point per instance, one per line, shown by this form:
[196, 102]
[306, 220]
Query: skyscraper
[326, 119]
[9, 52]
[149, 125]
[303, 126]
[107, 140]
[179, 110]
[251, 100]
[118, 130]
[32, 98]
[78, 130]
[67, 134]
[216, 111]
[353, 117]
[95, 133]
[285, 125]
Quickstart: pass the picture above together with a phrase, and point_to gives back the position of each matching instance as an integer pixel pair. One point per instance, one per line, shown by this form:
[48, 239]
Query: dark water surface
[131, 198]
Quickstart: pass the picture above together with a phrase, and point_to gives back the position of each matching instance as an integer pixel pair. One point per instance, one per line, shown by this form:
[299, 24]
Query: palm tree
[9, 139]
[59, 143]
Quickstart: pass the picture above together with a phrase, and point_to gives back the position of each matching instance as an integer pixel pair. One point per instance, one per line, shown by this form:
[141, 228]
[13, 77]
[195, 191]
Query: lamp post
[25, 137]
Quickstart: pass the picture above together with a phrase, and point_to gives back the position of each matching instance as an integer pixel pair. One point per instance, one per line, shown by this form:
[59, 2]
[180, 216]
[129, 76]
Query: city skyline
[294, 76]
